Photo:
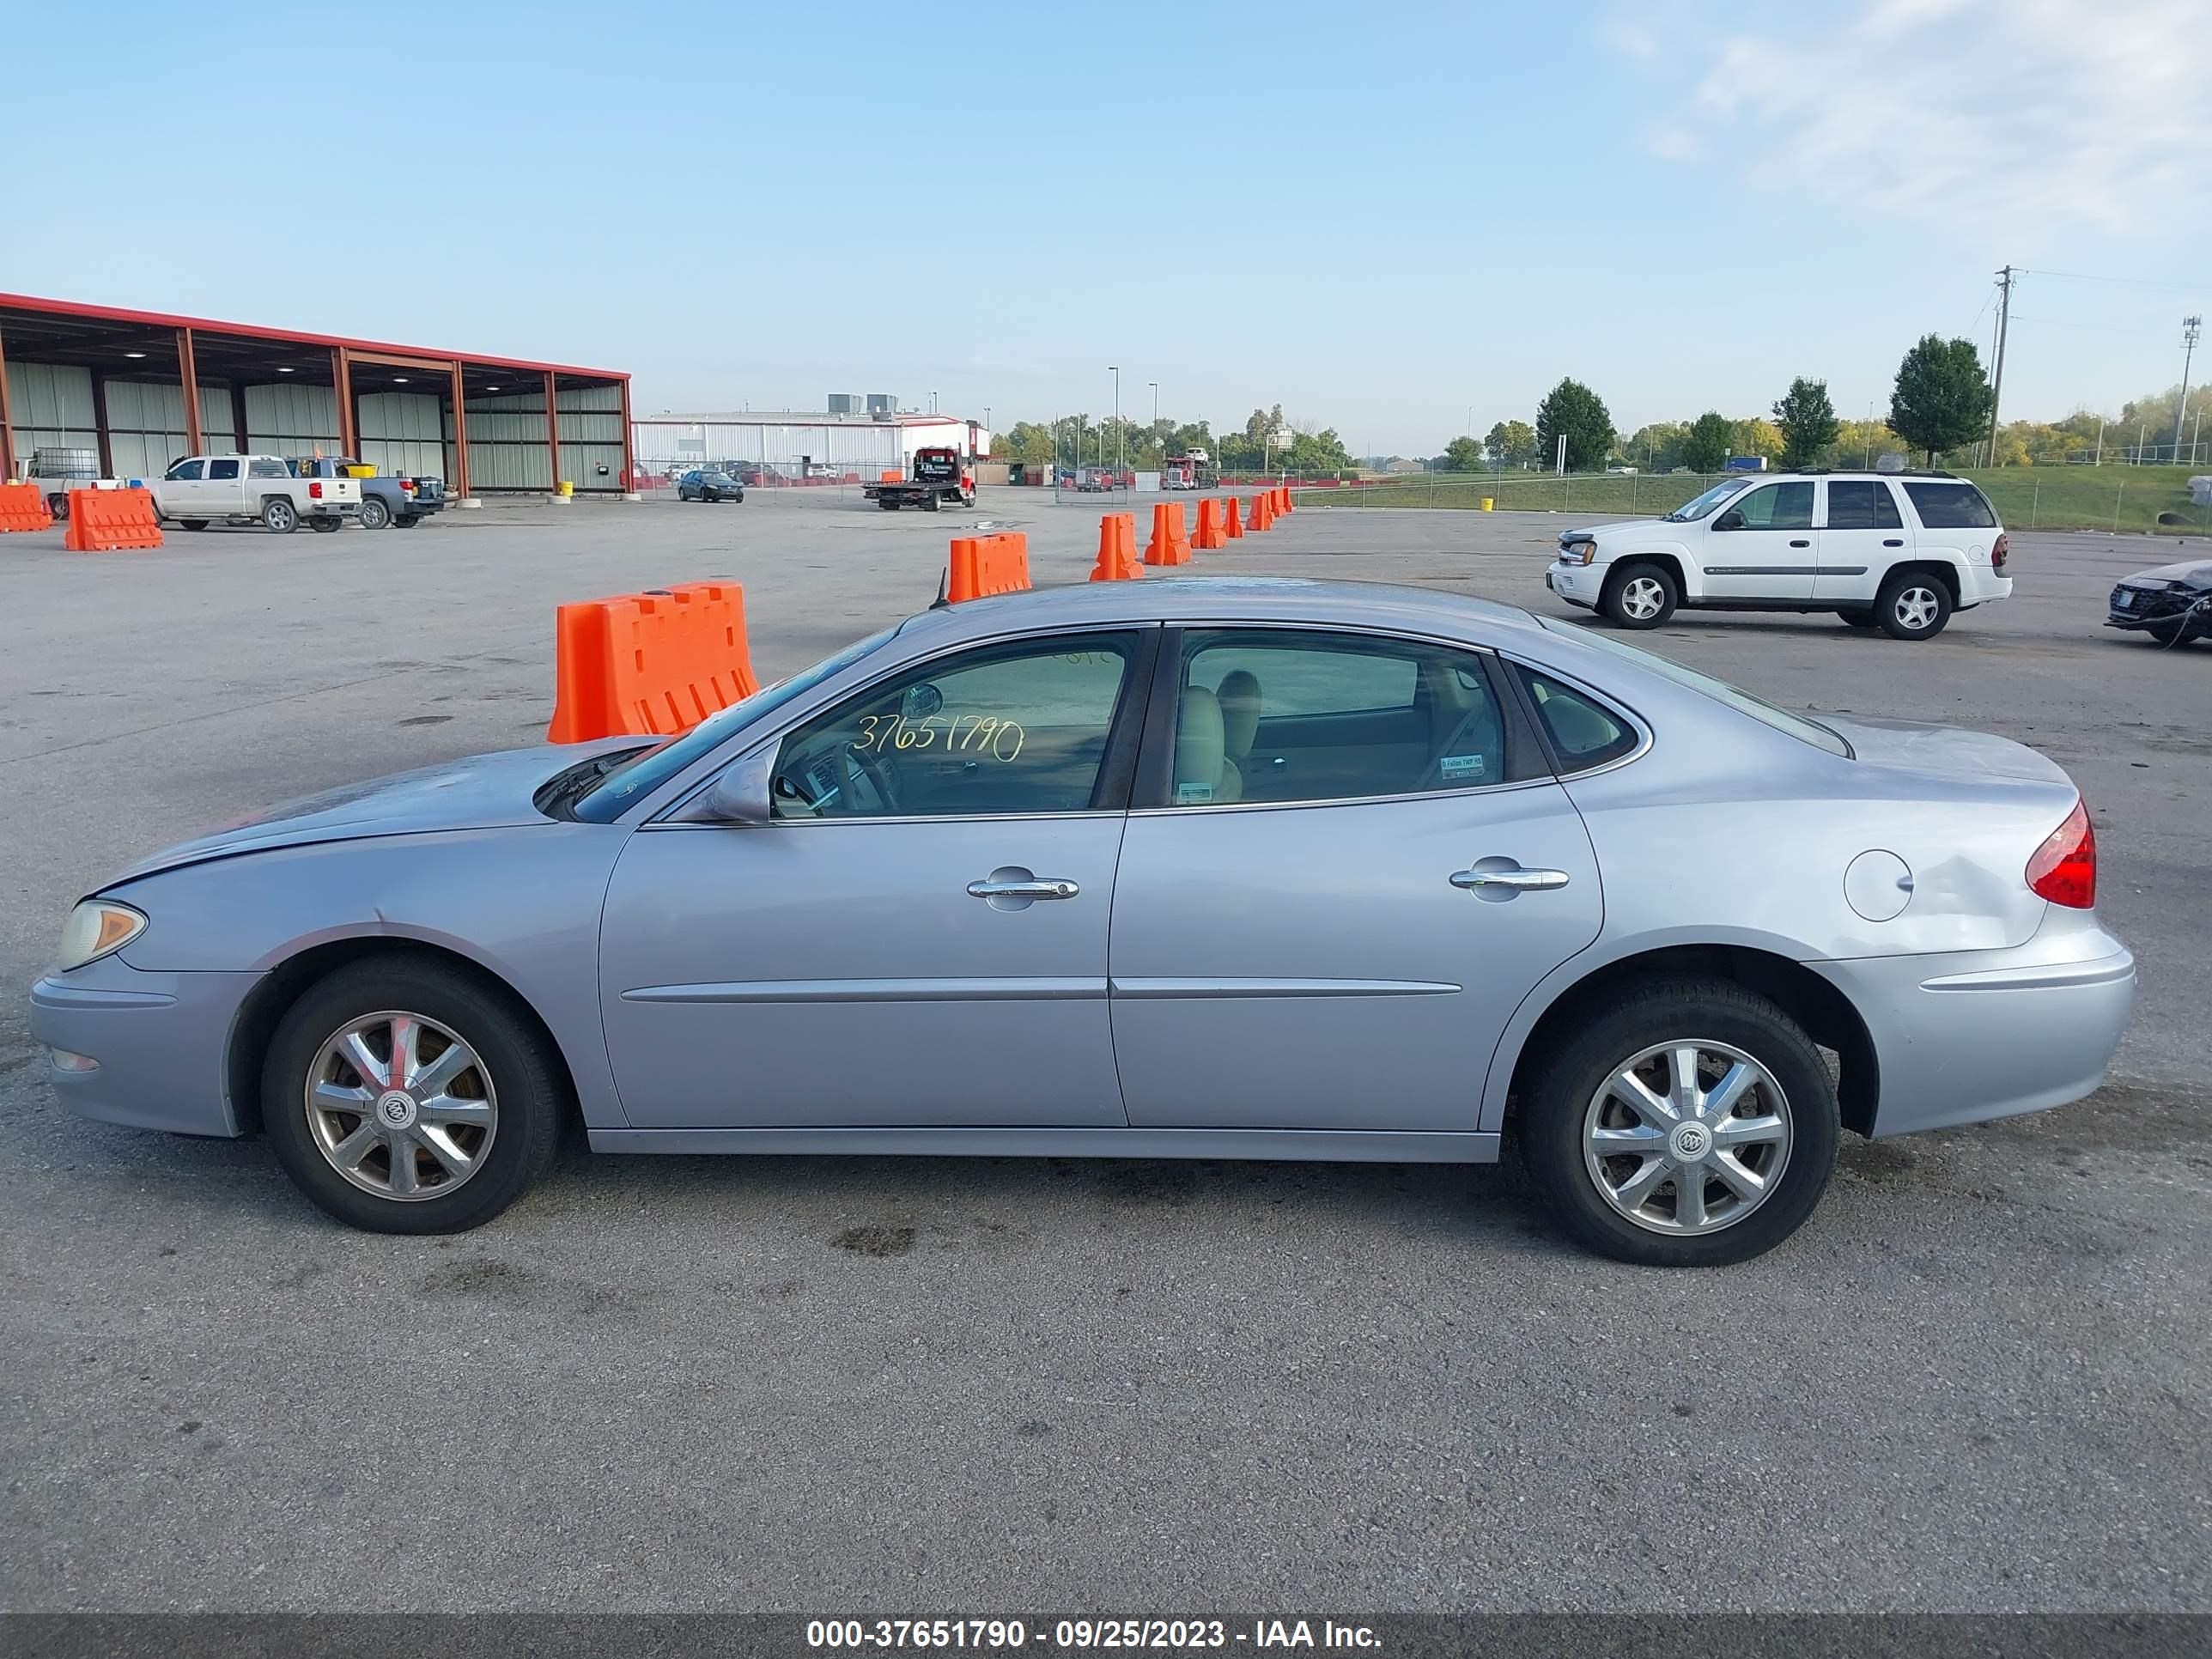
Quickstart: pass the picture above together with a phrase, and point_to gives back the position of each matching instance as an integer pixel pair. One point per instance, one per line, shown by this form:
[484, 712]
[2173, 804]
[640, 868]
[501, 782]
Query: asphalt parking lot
[1977, 1379]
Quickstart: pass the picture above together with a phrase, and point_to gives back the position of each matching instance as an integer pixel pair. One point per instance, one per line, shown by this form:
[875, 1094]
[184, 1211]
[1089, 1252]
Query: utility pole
[2189, 326]
[1115, 370]
[1996, 380]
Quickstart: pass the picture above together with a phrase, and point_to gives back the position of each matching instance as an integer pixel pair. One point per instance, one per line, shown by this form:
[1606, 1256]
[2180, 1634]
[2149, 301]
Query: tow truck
[1193, 469]
[937, 476]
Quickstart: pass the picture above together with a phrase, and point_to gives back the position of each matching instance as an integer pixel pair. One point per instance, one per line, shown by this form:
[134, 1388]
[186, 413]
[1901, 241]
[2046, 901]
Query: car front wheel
[1641, 596]
[1912, 606]
[403, 1096]
[1689, 1124]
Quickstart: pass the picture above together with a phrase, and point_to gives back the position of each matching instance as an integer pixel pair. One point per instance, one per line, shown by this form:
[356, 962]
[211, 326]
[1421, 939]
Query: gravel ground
[1977, 1379]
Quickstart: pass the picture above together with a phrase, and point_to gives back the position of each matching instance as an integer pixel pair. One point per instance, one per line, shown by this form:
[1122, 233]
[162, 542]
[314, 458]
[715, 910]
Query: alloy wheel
[1641, 598]
[1917, 608]
[400, 1106]
[1687, 1137]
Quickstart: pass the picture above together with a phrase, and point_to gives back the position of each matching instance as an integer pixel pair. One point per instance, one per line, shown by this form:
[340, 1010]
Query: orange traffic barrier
[981, 566]
[1260, 517]
[1117, 548]
[1170, 543]
[108, 520]
[23, 508]
[650, 664]
[1228, 518]
[1211, 532]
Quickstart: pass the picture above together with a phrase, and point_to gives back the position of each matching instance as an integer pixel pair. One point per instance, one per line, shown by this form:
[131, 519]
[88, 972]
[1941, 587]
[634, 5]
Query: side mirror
[1731, 519]
[743, 792]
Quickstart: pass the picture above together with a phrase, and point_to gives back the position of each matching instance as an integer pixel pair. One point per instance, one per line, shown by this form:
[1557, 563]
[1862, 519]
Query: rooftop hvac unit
[882, 403]
[844, 403]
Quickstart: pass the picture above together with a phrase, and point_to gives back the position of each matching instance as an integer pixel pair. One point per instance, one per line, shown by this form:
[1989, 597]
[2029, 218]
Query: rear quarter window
[1951, 506]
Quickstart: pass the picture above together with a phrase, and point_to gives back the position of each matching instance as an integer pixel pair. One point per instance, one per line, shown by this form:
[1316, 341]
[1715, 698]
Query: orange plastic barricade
[22, 508]
[1260, 517]
[108, 520]
[1117, 548]
[1170, 543]
[650, 664]
[981, 566]
[1210, 532]
[890, 475]
[1228, 518]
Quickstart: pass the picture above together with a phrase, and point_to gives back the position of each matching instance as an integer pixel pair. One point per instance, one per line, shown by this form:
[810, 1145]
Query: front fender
[1662, 547]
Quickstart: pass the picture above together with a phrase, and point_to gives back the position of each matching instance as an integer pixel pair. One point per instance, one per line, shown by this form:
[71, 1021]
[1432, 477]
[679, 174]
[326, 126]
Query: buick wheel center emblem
[396, 1108]
[1691, 1141]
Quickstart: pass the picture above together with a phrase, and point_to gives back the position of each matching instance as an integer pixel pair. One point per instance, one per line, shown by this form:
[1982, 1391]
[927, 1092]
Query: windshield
[1691, 511]
[634, 779]
[1804, 729]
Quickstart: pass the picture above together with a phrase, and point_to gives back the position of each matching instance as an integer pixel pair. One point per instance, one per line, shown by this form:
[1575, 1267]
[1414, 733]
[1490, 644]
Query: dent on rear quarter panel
[522, 904]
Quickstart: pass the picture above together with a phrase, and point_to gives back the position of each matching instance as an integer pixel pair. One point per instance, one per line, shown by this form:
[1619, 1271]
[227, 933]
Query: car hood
[2191, 573]
[1613, 529]
[1951, 749]
[483, 792]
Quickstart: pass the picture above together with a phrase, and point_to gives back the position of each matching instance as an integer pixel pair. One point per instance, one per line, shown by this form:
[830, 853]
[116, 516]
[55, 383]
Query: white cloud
[2027, 117]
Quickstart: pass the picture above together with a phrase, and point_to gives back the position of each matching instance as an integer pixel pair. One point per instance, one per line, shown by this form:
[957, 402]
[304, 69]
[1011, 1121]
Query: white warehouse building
[792, 445]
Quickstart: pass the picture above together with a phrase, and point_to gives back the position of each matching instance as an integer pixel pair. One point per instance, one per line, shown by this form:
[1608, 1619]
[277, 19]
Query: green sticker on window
[1460, 766]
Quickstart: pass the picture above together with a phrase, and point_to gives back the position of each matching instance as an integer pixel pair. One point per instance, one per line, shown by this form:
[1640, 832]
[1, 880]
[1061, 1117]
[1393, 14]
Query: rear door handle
[1517, 881]
[1037, 887]
[1893, 541]
[1801, 543]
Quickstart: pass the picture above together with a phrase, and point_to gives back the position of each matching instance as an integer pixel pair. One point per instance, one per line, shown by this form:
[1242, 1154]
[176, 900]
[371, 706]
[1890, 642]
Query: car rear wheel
[932, 502]
[280, 515]
[403, 1096]
[408, 520]
[1912, 606]
[1689, 1124]
[1641, 596]
[374, 514]
[193, 524]
[322, 526]
[57, 509]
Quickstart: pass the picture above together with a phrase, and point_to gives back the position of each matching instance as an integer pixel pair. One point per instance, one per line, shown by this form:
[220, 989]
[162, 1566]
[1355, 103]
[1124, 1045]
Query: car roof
[1225, 600]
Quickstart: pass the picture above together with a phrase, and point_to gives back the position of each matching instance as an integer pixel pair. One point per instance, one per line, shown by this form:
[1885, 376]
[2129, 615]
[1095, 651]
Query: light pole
[1157, 439]
[2188, 327]
[1115, 369]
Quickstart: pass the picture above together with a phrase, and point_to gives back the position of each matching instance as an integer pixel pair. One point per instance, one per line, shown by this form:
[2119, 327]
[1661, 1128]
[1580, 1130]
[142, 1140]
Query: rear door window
[1951, 505]
[223, 469]
[1862, 504]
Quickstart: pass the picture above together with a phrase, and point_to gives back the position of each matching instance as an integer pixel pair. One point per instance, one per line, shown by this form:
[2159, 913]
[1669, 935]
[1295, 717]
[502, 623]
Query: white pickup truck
[203, 490]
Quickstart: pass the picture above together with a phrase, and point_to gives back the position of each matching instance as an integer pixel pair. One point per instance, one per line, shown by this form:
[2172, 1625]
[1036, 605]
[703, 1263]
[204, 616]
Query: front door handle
[1893, 541]
[1514, 881]
[1036, 887]
[1801, 543]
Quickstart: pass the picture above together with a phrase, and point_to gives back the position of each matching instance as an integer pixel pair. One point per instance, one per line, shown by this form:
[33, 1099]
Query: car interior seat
[1203, 771]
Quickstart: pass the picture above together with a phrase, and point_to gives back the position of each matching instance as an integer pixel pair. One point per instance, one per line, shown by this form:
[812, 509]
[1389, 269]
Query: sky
[1402, 222]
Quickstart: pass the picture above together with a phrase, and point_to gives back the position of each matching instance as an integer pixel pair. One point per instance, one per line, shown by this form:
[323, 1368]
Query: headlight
[95, 927]
[1577, 552]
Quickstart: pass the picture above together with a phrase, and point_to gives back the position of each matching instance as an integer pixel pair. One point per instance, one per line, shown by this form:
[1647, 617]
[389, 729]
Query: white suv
[1899, 552]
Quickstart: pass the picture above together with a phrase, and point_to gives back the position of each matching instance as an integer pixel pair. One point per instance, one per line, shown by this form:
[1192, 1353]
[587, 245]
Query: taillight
[315, 490]
[2000, 552]
[2064, 868]
[407, 487]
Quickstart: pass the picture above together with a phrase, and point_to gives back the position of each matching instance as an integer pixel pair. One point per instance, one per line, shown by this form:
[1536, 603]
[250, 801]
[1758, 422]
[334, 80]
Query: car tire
[887, 504]
[193, 524]
[280, 515]
[408, 520]
[932, 502]
[1912, 605]
[1640, 596]
[1859, 619]
[2169, 633]
[509, 1070]
[57, 509]
[1570, 1096]
[374, 514]
[322, 526]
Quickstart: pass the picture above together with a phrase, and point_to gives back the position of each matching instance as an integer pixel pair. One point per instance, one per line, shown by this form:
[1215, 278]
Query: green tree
[1755, 436]
[1461, 455]
[1706, 446]
[1511, 443]
[1808, 421]
[1314, 453]
[1941, 398]
[1574, 412]
[1657, 448]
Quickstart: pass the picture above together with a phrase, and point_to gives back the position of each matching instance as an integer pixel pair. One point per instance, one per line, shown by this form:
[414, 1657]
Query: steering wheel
[861, 765]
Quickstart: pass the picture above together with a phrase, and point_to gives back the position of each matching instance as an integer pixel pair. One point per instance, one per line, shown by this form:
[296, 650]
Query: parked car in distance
[386, 499]
[1018, 842]
[708, 486]
[1897, 551]
[56, 472]
[2173, 603]
[200, 489]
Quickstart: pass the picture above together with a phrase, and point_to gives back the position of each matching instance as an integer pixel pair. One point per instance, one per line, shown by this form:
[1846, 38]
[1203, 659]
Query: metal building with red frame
[101, 378]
